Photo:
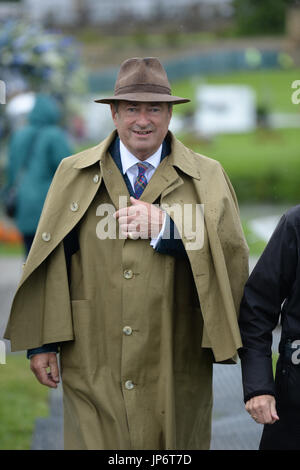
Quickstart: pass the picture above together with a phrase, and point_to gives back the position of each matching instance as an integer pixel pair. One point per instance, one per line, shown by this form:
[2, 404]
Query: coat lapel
[167, 177]
[114, 181]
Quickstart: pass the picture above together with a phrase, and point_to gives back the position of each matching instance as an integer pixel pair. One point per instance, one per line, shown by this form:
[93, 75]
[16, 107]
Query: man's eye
[155, 110]
[131, 110]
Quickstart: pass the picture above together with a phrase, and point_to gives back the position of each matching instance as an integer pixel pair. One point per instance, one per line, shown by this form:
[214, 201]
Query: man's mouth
[142, 132]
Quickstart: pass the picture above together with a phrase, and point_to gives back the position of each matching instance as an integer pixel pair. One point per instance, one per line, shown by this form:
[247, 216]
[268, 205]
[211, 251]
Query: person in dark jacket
[272, 293]
[34, 154]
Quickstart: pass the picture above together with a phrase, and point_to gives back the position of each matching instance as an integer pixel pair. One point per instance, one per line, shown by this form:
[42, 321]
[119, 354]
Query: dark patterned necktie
[141, 180]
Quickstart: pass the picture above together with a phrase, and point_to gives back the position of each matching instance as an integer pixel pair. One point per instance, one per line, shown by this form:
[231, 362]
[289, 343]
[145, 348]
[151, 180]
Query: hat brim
[144, 97]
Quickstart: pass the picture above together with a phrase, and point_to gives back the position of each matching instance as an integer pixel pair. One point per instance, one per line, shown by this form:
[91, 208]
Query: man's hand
[141, 220]
[39, 363]
[262, 409]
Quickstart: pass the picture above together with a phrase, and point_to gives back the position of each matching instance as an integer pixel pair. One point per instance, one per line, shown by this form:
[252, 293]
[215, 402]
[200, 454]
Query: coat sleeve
[71, 245]
[37, 316]
[221, 266]
[234, 245]
[267, 287]
[46, 348]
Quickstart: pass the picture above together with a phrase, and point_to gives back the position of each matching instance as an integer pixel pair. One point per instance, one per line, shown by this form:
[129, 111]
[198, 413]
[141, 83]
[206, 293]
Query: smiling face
[141, 126]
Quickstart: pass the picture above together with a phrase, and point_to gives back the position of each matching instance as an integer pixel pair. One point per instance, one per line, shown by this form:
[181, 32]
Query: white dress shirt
[129, 165]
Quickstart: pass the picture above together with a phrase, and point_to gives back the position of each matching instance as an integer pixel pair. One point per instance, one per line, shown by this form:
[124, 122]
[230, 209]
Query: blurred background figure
[34, 152]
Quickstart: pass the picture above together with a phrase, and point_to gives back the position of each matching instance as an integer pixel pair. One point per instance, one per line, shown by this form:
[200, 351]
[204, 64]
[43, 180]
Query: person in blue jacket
[34, 154]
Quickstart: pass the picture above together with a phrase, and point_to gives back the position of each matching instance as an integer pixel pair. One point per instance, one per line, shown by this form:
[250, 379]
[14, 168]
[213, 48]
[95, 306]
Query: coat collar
[180, 157]
[183, 158]
[94, 154]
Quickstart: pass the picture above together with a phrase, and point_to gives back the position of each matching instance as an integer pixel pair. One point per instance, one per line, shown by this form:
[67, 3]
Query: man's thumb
[273, 410]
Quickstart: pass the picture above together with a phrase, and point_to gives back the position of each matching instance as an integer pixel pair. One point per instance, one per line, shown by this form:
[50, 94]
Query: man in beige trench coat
[139, 307]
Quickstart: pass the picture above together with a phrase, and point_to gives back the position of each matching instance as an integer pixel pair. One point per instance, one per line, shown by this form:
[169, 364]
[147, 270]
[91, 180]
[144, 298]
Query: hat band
[143, 87]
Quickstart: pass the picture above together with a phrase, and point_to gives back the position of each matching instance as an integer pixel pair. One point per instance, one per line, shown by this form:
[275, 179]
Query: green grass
[22, 400]
[263, 165]
[272, 87]
[11, 249]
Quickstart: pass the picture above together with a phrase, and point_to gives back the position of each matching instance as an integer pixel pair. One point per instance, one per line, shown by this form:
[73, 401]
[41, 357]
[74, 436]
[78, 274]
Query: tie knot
[142, 167]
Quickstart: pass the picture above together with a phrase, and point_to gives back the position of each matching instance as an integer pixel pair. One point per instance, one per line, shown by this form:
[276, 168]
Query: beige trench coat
[44, 310]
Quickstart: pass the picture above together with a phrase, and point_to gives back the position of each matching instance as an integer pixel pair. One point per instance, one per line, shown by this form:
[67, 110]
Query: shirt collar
[128, 159]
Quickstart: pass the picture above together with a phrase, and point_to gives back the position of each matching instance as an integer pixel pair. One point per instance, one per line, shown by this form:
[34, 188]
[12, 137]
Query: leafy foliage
[260, 17]
[38, 59]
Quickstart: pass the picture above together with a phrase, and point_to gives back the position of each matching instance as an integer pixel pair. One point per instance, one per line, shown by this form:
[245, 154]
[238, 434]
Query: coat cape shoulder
[41, 309]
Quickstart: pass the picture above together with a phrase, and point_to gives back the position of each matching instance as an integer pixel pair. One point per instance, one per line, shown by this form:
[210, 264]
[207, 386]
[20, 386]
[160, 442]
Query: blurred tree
[172, 36]
[82, 13]
[261, 17]
[34, 59]
[141, 38]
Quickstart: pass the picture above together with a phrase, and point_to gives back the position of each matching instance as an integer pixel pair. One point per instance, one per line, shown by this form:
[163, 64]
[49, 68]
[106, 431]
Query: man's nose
[142, 119]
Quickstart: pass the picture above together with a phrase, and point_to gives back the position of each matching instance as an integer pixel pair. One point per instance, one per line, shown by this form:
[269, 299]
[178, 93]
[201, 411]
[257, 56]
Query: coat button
[128, 274]
[129, 385]
[46, 236]
[127, 330]
[74, 206]
[96, 178]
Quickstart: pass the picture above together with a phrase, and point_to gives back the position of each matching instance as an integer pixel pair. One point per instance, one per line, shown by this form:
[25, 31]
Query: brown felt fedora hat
[143, 79]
